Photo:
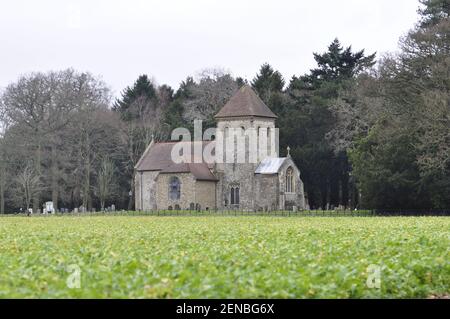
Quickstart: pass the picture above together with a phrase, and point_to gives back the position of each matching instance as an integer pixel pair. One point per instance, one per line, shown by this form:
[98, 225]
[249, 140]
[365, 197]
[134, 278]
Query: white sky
[171, 39]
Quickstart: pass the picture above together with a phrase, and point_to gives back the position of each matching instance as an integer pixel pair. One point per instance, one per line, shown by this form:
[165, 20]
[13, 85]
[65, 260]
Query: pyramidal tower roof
[245, 103]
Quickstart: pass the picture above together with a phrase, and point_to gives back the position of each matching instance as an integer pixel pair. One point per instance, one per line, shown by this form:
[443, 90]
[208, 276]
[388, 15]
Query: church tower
[244, 112]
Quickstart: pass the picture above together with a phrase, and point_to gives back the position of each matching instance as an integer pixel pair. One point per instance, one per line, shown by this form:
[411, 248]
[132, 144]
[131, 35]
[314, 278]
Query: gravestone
[49, 208]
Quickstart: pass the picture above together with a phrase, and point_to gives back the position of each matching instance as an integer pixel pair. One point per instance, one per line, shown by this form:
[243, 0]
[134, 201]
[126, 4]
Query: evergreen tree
[433, 12]
[308, 120]
[143, 90]
[173, 116]
[336, 65]
[241, 81]
[185, 89]
[141, 109]
[269, 85]
[402, 157]
[268, 81]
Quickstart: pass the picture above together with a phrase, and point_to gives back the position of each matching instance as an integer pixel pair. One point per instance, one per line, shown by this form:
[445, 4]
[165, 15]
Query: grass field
[229, 257]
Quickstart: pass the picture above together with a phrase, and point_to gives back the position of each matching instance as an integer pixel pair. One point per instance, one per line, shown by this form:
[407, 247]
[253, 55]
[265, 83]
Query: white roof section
[270, 165]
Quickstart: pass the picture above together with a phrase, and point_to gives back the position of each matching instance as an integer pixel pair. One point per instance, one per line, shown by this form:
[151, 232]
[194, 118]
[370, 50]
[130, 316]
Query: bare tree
[28, 184]
[105, 188]
[3, 176]
[136, 134]
[211, 91]
[434, 143]
[92, 134]
[43, 104]
[356, 110]
[3, 170]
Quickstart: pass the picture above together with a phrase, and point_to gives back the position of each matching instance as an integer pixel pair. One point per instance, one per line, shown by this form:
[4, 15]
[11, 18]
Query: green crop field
[224, 257]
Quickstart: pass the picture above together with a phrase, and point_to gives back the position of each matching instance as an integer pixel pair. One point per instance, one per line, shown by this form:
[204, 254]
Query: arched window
[234, 196]
[243, 145]
[174, 188]
[225, 141]
[290, 186]
[257, 137]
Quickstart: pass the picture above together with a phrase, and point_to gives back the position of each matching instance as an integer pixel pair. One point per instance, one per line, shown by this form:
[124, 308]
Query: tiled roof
[158, 158]
[245, 103]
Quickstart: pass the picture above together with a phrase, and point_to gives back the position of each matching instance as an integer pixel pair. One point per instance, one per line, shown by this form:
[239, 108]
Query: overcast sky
[171, 39]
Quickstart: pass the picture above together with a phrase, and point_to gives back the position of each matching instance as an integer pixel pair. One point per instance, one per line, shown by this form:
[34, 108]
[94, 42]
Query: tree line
[364, 133]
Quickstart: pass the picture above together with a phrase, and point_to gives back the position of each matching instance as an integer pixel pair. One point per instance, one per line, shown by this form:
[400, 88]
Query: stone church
[270, 183]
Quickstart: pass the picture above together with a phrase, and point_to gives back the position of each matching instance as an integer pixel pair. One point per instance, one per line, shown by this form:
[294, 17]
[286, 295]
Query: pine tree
[241, 81]
[269, 85]
[337, 64]
[434, 11]
[142, 89]
[268, 82]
